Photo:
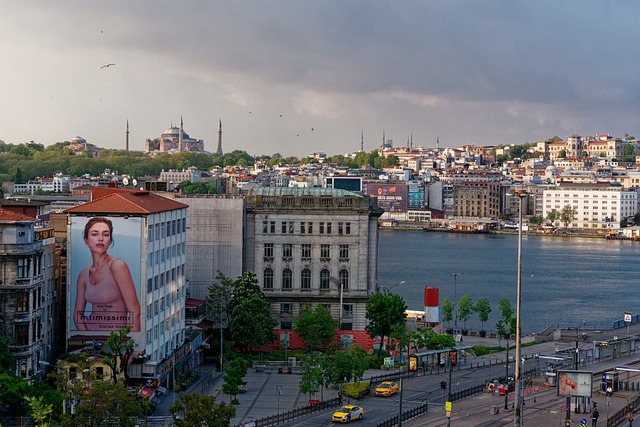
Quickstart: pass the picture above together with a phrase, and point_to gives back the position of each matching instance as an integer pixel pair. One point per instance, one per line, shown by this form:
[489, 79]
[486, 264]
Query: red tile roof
[6, 215]
[120, 201]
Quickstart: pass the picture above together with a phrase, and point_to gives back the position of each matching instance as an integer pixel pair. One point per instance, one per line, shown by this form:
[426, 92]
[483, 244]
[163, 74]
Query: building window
[287, 279]
[267, 279]
[283, 227]
[322, 228]
[23, 268]
[340, 227]
[344, 280]
[310, 227]
[286, 325]
[265, 227]
[22, 334]
[324, 279]
[22, 302]
[272, 227]
[286, 308]
[344, 252]
[347, 228]
[306, 251]
[347, 311]
[268, 250]
[287, 250]
[303, 228]
[325, 251]
[328, 228]
[305, 279]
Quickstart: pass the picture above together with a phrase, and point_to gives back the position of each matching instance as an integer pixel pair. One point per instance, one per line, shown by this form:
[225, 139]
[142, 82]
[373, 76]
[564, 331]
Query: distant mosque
[176, 140]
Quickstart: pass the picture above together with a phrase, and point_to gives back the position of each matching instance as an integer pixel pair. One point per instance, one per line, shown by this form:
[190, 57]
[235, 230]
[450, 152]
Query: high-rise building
[126, 267]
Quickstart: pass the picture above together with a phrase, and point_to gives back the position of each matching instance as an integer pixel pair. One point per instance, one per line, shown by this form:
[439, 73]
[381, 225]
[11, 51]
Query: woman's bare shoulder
[118, 263]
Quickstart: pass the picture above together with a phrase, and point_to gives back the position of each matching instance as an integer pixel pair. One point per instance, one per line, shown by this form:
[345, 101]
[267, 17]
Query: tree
[315, 327]
[506, 326]
[121, 347]
[562, 154]
[536, 219]
[342, 366]
[447, 310]
[553, 215]
[566, 215]
[40, 411]
[101, 403]
[234, 373]
[431, 340]
[6, 356]
[251, 323]
[12, 390]
[466, 309]
[483, 308]
[197, 410]
[383, 311]
[311, 373]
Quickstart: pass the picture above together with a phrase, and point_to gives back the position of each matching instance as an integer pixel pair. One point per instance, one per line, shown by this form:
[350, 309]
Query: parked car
[347, 414]
[386, 388]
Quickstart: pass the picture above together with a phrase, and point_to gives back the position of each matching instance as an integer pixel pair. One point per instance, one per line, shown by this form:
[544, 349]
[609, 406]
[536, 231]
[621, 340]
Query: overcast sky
[298, 76]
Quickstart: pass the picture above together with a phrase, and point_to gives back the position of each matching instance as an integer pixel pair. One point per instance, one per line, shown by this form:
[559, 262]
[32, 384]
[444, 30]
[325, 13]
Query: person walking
[594, 417]
[608, 395]
[630, 419]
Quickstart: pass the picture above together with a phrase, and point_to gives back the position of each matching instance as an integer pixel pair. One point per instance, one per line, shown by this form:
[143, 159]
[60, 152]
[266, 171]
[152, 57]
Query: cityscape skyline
[303, 77]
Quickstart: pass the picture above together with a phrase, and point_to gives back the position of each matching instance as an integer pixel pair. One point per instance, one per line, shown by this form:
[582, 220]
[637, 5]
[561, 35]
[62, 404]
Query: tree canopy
[383, 311]
[197, 410]
[315, 327]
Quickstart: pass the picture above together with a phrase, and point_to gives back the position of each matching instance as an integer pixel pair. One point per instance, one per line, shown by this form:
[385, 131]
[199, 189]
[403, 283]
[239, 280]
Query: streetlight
[455, 297]
[516, 413]
[379, 286]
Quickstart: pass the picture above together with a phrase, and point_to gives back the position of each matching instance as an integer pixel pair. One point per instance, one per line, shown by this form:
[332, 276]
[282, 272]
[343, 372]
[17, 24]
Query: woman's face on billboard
[99, 237]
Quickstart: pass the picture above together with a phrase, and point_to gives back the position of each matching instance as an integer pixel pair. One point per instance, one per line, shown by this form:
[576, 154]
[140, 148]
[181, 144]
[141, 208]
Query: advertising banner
[575, 383]
[104, 274]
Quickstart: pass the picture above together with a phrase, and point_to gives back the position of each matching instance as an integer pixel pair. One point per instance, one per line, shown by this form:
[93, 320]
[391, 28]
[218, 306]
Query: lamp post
[279, 393]
[455, 297]
[518, 406]
[379, 286]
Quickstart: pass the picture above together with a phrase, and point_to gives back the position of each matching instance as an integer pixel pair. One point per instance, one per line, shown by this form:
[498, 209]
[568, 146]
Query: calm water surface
[565, 281]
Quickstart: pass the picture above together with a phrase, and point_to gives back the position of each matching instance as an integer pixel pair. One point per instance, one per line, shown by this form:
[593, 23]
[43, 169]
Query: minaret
[219, 150]
[438, 143]
[361, 141]
[127, 138]
[180, 136]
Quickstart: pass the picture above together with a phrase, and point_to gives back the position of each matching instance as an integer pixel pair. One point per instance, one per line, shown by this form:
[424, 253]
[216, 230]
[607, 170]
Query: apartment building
[27, 291]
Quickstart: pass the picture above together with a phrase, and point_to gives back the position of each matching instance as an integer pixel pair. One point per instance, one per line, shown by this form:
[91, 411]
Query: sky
[298, 76]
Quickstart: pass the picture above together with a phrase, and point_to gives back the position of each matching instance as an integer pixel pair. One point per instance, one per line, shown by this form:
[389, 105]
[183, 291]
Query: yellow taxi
[386, 388]
[347, 414]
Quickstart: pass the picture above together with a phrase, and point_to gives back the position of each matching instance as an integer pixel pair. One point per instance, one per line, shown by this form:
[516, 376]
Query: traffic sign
[627, 316]
[447, 406]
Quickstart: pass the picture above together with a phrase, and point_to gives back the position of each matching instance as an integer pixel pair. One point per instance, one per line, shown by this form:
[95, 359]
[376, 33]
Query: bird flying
[106, 65]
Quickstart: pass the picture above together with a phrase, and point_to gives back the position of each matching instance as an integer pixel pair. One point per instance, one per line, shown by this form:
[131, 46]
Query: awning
[146, 392]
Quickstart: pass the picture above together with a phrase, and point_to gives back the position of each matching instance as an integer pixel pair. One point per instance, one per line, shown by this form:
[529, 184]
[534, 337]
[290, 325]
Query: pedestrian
[594, 417]
[608, 395]
[630, 419]
[339, 398]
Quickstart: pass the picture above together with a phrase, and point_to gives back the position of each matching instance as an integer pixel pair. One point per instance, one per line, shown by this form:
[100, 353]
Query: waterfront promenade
[542, 406]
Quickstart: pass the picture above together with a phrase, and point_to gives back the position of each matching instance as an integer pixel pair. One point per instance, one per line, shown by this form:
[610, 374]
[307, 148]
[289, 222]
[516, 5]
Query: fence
[274, 420]
[618, 417]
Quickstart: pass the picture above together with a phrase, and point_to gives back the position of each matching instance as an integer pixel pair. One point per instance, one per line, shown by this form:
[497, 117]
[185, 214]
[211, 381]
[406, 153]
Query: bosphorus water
[566, 281]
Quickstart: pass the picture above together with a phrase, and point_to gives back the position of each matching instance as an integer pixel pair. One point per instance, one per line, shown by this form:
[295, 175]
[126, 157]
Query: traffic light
[443, 385]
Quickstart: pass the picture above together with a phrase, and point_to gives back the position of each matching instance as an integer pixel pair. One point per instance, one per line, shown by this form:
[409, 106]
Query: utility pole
[448, 404]
[455, 297]
[518, 371]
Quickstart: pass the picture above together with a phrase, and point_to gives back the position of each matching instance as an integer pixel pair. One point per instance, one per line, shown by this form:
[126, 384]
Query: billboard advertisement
[104, 273]
[391, 197]
[575, 383]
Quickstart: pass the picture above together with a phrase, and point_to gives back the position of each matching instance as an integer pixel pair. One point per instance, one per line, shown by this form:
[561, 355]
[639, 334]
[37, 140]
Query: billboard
[575, 383]
[104, 273]
[391, 197]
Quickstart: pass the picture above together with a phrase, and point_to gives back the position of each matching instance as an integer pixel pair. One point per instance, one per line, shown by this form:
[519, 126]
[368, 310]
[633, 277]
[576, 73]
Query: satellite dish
[134, 182]
[125, 181]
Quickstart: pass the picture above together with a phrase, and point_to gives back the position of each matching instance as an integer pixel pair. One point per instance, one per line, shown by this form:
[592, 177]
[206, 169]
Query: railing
[617, 418]
[274, 420]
